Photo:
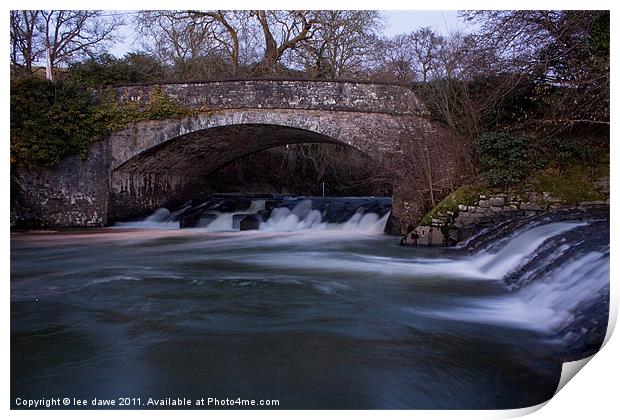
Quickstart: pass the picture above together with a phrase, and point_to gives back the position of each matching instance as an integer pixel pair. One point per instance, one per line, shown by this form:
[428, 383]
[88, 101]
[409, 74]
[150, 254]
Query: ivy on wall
[53, 120]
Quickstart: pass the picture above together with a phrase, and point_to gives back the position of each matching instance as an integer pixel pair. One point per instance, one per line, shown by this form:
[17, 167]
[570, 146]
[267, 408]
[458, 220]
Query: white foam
[303, 217]
[518, 248]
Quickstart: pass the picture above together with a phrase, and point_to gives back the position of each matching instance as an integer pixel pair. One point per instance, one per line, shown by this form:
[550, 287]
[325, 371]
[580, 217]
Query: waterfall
[368, 215]
[558, 273]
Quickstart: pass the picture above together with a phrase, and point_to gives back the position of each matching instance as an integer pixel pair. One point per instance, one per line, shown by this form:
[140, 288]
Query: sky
[401, 21]
[395, 22]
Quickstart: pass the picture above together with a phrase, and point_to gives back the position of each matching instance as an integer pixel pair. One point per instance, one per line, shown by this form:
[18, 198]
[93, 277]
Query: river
[313, 313]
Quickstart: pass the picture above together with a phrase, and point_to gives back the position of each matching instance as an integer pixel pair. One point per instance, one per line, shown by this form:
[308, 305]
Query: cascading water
[290, 215]
[558, 274]
[315, 290]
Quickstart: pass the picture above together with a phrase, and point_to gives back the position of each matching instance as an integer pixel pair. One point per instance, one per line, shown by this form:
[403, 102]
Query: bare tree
[178, 39]
[283, 30]
[342, 43]
[394, 59]
[70, 34]
[227, 31]
[425, 45]
[25, 47]
[565, 49]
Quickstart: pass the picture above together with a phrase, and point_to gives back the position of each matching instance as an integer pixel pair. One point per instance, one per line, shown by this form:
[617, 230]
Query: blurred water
[315, 317]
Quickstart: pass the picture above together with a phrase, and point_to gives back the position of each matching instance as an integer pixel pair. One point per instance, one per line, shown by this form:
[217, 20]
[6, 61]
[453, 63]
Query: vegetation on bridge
[54, 119]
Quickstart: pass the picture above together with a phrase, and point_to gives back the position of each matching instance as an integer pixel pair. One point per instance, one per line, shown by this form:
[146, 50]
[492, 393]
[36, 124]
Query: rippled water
[317, 318]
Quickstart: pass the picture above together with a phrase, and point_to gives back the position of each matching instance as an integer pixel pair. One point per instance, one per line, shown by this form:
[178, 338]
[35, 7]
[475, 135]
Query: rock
[496, 209]
[462, 207]
[533, 197]
[270, 204]
[419, 236]
[531, 207]
[242, 204]
[483, 203]
[464, 219]
[497, 201]
[236, 220]
[250, 222]
[550, 198]
[437, 238]
[196, 220]
[471, 208]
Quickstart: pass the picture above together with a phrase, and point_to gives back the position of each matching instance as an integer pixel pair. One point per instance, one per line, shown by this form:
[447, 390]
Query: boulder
[196, 220]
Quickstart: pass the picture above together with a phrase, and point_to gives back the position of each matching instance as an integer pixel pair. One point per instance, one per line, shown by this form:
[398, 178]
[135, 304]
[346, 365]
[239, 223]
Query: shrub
[505, 160]
[49, 121]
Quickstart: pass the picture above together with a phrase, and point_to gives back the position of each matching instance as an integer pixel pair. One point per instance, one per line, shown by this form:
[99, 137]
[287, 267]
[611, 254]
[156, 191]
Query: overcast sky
[396, 22]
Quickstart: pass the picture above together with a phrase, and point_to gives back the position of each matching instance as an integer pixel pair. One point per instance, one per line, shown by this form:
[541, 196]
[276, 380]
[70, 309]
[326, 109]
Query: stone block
[250, 222]
[420, 236]
[464, 219]
[497, 201]
[550, 198]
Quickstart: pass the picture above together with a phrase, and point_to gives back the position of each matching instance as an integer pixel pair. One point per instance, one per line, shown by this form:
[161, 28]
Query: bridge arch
[157, 161]
[140, 167]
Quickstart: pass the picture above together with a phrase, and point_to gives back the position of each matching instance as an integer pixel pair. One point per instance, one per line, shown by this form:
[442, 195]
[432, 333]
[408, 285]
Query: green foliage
[505, 160]
[49, 121]
[161, 107]
[572, 185]
[105, 69]
[111, 115]
[52, 120]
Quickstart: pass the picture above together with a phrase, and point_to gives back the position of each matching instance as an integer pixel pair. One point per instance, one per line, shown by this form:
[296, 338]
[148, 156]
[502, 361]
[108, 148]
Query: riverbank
[476, 207]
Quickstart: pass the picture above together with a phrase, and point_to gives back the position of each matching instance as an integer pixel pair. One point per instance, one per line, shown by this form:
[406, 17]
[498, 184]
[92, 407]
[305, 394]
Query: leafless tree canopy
[541, 72]
[59, 36]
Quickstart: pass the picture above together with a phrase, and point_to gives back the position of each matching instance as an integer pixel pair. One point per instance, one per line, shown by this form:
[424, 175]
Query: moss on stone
[571, 185]
[114, 115]
[466, 195]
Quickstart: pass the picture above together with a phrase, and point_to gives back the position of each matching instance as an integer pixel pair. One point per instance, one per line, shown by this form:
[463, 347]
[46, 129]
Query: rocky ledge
[467, 215]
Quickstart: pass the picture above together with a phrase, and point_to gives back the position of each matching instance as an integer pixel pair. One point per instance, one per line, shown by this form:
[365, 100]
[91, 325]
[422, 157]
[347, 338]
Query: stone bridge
[148, 163]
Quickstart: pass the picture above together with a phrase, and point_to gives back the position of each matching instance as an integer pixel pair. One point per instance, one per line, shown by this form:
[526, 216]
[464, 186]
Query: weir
[221, 213]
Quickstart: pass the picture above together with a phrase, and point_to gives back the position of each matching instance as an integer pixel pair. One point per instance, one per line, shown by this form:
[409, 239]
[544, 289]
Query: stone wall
[285, 94]
[466, 220]
[72, 194]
